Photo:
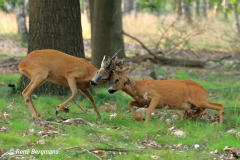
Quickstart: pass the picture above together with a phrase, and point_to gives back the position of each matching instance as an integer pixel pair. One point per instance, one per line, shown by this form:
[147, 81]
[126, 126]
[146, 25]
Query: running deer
[170, 94]
[60, 68]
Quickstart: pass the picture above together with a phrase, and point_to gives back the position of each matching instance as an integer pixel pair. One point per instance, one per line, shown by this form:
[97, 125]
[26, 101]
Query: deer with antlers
[60, 68]
[170, 94]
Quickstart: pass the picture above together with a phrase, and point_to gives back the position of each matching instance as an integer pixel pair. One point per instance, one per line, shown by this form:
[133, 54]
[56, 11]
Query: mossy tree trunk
[21, 21]
[118, 42]
[54, 24]
[106, 35]
[102, 38]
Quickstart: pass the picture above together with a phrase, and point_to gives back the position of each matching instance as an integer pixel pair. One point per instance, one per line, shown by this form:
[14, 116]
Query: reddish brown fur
[171, 94]
[60, 68]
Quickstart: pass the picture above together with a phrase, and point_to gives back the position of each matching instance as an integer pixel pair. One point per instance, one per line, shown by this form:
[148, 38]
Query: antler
[111, 62]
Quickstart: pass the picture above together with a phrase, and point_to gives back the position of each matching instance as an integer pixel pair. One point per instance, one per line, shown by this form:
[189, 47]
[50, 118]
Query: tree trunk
[187, 11]
[82, 6]
[21, 21]
[179, 8]
[205, 8]
[127, 6]
[235, 5]
[197, 7]
[91, 15]
[225, 9]
[117, 29]
[102, 41]
[54, 24]
[136, 8]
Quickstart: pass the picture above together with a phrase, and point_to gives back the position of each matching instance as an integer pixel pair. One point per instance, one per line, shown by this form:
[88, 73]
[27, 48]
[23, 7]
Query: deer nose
[111, 90]
[93, 83]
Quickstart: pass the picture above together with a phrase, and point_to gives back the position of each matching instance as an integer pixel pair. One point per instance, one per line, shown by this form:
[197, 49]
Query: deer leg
[73, 87]
[210, 105]
[131, 104]
[153, 104]
[89, 96]
[27, 92]
[198, 112]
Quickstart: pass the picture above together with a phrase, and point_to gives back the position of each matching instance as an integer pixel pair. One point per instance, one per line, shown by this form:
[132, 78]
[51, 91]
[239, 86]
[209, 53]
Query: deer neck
[129, 87]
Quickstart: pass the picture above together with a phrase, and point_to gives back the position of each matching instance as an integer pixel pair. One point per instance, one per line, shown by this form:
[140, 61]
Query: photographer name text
[35, 151]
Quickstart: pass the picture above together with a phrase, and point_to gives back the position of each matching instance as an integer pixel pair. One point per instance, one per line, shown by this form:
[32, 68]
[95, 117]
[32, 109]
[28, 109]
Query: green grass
[121, 131]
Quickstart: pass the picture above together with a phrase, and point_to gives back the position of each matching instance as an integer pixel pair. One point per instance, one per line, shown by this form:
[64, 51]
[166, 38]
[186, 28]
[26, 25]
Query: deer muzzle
[111, 91]
[93, 83]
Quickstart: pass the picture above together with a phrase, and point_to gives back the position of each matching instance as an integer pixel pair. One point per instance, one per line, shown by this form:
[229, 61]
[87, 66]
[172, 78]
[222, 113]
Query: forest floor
[117, 135]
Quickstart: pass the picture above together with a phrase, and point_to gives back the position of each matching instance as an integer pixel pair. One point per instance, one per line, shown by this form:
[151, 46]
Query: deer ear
[130, 69]
[103, 62]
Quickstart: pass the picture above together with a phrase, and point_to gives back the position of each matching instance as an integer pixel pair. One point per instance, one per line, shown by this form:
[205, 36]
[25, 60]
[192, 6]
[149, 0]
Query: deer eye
[117, 80]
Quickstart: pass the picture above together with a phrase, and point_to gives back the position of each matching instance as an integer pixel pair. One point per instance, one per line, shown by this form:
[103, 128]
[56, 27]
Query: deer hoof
[56, 112]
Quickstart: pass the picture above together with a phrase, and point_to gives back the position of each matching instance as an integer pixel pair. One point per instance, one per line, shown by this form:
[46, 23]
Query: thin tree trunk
[21, 21]
[82, 6]
[205, 8]
[187, 11]
[197, 8]
[91, 15]
[179, 9]
[225, 9]
[136, 8]
[235, 5]
[127, 6]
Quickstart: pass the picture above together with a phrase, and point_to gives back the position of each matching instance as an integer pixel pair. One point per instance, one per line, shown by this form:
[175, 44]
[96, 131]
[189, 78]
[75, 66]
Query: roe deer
[170, 94]
[60, 68]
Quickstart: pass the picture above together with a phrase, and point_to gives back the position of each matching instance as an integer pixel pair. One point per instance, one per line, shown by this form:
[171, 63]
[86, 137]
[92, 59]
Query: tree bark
[179, 8]
[117, 29]
[54, 24]
[102, 40]
[136, 8]
[235, 5]
[127, 6]
[21, 21]
[225, 9]
[197, 7]
[204, 8]
[187, 12]
[91, 15]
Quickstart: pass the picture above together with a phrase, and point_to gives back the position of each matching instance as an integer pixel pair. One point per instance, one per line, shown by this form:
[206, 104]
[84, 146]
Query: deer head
[107, 67]
[119, 79]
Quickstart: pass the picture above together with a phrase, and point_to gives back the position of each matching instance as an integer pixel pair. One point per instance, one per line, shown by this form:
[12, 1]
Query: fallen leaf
[110, 106]
[214, 152]
[176, 132]
[114, 115]
[99, 153]
[196, 146]
[3, 129]
[75, 121]
[148, 142]
[235, 152]
[39, 142]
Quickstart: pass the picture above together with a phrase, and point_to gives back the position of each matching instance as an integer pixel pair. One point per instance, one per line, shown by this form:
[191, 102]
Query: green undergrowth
[119, 137]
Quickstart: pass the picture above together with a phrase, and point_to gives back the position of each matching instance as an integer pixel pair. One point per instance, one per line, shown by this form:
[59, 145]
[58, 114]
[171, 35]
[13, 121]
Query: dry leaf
[176, 132]
[99, 153]
[75, 121]
[40, 142]
[150, 143]
[110, 106]
[235, 152]
[3, 129]
[214, 152]
[114, 115]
